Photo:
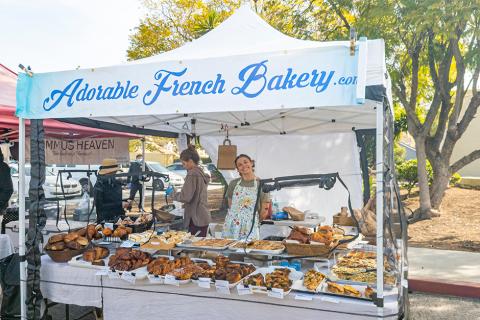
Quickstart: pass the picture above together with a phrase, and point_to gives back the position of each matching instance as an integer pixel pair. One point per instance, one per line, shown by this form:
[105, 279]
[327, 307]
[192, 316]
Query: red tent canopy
[53, 128]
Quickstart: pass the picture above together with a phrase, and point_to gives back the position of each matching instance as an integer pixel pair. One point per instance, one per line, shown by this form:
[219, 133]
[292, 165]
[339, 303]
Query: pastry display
[335, 288]
[214, 243]
[361, 266]
[279, 279]
[107, 232]
[351, 291]
[67, 241]
[255, 280]
[122, 232]
[324, 234]
[141, 219]
[95, 254]
[369, 292]
[260, 245]
[126, 259]
[312, 279]
[300, 234]
[171, 236]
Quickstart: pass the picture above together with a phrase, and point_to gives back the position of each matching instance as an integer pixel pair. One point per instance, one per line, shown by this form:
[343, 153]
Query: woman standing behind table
[242, 196]
[194, 193]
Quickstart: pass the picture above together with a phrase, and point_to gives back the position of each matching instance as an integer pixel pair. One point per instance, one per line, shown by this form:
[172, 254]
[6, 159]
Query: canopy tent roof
[53, 128]
[242, 39]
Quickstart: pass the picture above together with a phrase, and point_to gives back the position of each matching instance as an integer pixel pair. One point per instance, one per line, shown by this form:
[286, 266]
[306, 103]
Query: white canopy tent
[291, 104]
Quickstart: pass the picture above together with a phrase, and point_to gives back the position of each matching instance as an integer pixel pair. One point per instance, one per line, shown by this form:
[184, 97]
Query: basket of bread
[343, 218]
[64, 246]
[304, 242]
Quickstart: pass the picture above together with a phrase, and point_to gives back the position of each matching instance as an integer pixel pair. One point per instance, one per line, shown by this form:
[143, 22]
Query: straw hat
[109, 166]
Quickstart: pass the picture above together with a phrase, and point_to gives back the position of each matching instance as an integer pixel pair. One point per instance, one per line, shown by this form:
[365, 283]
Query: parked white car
[52, 188]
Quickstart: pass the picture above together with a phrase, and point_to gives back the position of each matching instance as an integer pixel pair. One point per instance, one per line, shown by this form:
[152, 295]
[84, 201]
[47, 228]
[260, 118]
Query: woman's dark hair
[190, 153]
[244, 156]
[1, 156]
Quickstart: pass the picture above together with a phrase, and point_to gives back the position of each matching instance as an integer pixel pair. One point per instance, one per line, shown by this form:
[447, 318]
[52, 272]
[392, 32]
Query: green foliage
[455, 179]
[408, 174]
[398, 153]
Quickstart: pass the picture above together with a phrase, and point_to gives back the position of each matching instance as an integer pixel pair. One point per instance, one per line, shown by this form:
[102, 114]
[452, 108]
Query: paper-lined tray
[206, 243]
[78, 262]
[239, 246]
[293, 276]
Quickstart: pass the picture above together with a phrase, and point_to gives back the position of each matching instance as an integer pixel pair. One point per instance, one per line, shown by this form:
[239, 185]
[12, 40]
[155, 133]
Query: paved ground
[434, 307]
[444, 265]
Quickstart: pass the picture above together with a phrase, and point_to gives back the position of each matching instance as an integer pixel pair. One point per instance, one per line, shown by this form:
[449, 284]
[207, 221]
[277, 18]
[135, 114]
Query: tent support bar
[379, 204]
[21, 219]
[143, 183]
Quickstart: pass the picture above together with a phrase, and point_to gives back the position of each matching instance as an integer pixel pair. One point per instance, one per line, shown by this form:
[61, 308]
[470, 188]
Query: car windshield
[157, 167]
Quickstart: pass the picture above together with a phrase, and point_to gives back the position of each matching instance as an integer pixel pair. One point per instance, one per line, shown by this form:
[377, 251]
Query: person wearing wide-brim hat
[107, 192]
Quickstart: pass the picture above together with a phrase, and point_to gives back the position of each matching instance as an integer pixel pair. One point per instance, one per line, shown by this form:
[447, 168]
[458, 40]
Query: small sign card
[242, 290]
[276, 293]
[304, 297]
[155, 279]
[128, 276]
[102, 272]
[113, 275]
[222, 286]
[330, 299]
[204, 283]
[169, 279]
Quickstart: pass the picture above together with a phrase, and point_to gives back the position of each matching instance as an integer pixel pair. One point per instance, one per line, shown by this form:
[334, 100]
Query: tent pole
[21, 218]
[143, 169]
[379, 205]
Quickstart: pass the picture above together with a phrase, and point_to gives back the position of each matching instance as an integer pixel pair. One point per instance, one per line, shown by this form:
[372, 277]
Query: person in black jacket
[135, 185]
[6, 185]
[107, 193]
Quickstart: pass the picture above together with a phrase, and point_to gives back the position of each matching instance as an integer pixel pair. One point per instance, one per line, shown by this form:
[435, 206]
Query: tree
[434, 45]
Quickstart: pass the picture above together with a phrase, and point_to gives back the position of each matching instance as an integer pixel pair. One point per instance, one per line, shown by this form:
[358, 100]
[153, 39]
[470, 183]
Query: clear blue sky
[54, 35]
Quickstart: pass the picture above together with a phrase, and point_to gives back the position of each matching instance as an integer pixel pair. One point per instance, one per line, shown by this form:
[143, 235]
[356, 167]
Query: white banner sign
[292, 79]
[83, 151]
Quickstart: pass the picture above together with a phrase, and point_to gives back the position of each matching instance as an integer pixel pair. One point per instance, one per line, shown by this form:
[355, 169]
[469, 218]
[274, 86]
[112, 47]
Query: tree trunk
[425, 210]
[441, 178]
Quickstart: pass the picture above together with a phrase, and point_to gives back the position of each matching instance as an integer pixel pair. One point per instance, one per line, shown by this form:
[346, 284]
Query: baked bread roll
[107, 232]
[233, 277]
[82, 232]
[57, 246]
[98, 263]
[89, 255]
[73, 245]
[72, 236]
[56, 238]
[82, 241]
[91, 231]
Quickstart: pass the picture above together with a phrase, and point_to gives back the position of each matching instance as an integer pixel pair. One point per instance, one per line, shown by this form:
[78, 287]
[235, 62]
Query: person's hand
[126, 204]
[170, 191]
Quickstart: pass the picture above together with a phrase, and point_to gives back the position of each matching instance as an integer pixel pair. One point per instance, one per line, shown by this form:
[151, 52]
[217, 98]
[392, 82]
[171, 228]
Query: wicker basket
[343, 221]
[64, 255]
[300, 249]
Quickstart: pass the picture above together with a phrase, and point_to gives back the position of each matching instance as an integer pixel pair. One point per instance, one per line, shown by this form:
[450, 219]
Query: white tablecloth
[125, 301]
[6, 246]
[63, 283]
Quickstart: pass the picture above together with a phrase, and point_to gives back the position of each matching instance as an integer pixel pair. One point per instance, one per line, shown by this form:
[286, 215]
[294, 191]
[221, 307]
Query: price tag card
[405, 283]
[128, 244]
[276, 293]
[169, 279]
[155, 279]
[108, 225]
[128, 276]
[102, 272]
[223, 290]
[304, 297]
[204, 283]
[113, 275]
[242, 290]
[329, 299]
